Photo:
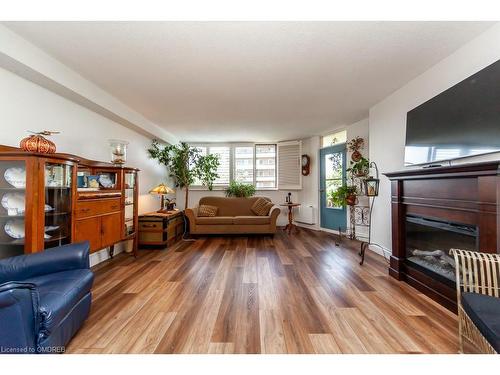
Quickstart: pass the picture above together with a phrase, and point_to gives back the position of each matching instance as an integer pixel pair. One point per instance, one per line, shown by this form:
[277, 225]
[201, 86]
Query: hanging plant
[344, 195]
[354, 145]
[360, 168]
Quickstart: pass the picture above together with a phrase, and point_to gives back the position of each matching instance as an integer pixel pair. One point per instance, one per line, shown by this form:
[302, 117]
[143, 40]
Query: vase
[118, 150]
[37, 143]
[350, 200]
[356, 156]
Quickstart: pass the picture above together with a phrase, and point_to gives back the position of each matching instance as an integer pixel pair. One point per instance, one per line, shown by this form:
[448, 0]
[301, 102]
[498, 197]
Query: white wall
[26, 106]
[309, 195]
[388, 118]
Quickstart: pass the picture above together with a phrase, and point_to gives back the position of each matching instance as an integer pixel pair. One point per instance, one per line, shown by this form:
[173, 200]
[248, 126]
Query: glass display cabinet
[130, 203]
[57, 204]
[36, 195]
[13, 189]
[48, 200]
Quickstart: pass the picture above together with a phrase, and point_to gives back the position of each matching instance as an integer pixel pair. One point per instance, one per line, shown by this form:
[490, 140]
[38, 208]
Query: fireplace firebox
[428, 242]
[435, 209]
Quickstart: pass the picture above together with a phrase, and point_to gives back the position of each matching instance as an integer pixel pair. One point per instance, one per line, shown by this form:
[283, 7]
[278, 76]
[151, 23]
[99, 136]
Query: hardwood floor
[259, 294]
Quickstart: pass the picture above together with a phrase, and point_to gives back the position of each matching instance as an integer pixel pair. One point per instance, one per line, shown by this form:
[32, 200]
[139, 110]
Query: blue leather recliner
[44, 299]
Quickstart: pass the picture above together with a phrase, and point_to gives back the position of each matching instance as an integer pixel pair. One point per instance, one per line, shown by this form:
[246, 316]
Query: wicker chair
[475, 273]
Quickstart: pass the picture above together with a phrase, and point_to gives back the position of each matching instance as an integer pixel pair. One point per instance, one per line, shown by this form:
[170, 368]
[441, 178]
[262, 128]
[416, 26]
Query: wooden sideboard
[45, 207]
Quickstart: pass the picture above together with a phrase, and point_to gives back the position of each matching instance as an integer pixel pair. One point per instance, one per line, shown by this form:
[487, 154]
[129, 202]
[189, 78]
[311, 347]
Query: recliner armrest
[63, 258]
[18, 317]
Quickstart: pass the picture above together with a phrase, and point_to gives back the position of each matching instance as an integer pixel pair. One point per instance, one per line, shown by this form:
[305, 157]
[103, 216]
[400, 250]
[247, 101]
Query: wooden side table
[290, 224]
[158, 229]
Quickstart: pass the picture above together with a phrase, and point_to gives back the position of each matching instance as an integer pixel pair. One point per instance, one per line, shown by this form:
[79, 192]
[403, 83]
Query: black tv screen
[461, 121]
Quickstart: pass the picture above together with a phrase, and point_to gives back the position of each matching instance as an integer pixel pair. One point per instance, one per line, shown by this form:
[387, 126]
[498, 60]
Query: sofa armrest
[63, 258]
[18, 317]
[274, 213]
[191, 214]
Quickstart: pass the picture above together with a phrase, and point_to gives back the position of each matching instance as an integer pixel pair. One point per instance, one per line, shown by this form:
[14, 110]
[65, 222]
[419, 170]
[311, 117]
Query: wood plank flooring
[294, 293]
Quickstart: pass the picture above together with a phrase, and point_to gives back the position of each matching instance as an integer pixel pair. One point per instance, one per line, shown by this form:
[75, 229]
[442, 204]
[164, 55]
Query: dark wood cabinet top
[489, 168]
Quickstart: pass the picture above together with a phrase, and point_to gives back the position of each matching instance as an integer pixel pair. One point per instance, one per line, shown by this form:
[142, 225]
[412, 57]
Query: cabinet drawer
[151, 225]
[97, 207]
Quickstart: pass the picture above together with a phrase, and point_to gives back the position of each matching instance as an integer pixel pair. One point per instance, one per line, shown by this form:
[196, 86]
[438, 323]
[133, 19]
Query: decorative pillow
[261, 207]
[206, 210]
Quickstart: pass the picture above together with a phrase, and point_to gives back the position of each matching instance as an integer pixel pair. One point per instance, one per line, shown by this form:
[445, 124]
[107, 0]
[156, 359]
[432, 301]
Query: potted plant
[354, 145]
[344, 195]
[185, 164]
[361, 168]
[240, 189]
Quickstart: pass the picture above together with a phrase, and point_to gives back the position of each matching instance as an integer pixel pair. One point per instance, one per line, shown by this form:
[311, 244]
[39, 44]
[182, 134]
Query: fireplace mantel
[464, 193]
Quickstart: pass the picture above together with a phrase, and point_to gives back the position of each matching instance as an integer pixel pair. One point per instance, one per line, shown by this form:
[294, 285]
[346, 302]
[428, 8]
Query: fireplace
[436, 209]
[428, 242]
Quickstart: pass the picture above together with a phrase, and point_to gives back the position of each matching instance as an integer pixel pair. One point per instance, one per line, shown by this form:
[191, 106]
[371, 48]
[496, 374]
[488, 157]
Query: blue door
[332, 176]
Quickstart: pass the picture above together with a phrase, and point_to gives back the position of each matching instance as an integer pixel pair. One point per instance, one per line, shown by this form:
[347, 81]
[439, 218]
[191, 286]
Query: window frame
[232, 163]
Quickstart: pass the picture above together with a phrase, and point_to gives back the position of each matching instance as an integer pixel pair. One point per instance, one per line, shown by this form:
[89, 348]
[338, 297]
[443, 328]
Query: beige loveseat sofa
[233, 216]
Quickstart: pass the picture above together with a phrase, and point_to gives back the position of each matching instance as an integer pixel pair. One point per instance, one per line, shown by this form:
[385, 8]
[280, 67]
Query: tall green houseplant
[186, 164]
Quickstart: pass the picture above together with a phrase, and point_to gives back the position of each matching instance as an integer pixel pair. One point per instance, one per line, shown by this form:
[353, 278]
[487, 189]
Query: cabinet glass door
[130, 202]
[58, 198]
[12, 207]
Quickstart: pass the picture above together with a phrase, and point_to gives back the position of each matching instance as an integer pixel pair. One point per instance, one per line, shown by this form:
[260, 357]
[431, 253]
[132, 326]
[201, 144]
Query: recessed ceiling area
[249, 81]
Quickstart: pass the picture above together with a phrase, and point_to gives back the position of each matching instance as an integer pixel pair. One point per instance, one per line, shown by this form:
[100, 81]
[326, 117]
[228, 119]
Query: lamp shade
[162, 189]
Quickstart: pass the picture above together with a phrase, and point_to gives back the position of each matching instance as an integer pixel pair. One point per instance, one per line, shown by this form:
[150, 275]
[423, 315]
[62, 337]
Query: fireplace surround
[435, 209]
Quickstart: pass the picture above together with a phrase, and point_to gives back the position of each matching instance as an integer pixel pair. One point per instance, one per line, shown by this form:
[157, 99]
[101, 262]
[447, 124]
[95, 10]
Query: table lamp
[162, 190]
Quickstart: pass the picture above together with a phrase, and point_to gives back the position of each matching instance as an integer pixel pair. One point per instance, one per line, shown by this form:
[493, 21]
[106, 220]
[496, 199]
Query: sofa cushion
[59, 293]
[215, 220]
[206, 210]
[252, 220]
[261, 207]
[484, 311]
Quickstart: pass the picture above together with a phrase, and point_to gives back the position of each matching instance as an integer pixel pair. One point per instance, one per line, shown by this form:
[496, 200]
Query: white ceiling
[249, 81]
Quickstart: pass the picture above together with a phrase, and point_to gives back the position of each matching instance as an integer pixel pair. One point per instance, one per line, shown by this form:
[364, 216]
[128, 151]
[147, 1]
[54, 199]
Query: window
[334, 138]
[243, 164]
[265, 166]
[250, 164]
[223, 171]
[225, 162]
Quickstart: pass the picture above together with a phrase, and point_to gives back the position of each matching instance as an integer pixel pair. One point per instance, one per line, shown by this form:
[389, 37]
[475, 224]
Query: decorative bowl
[14, 203]
[16, 177]
[15, 228]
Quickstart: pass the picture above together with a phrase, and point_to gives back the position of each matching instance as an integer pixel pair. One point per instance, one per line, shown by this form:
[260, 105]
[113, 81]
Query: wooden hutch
[43, 207]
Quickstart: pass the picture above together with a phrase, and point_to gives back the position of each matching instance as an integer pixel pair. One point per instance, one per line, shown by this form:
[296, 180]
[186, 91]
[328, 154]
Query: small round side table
[290, 224]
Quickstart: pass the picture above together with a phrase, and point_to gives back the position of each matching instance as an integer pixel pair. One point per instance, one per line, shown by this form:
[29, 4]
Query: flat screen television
[460, 122]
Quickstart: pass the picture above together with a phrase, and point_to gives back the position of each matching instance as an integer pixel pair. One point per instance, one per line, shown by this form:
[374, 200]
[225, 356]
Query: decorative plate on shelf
[14, 203]
[105, 181]
[15, 228]
[16, 177]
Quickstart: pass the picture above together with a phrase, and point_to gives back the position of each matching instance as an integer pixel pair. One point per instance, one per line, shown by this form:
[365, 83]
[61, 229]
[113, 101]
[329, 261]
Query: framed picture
[81, 181]
[93, 182]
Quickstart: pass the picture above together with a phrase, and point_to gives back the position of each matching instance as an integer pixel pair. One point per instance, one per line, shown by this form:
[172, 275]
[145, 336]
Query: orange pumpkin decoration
[37, 143]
